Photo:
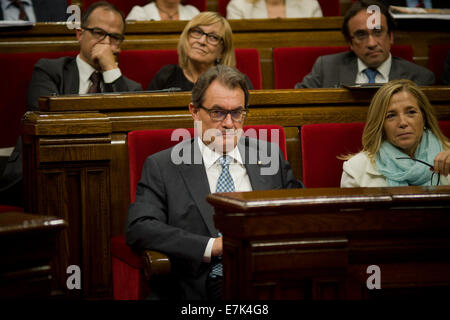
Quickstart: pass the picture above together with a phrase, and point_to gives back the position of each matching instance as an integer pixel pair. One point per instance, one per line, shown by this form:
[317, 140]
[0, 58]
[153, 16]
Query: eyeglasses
[211, 38]
[99, 34]
[362, 35]
[427, 164]
[237, 115]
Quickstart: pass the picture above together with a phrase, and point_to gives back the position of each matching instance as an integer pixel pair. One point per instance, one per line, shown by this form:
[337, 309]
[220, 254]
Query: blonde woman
[261, 9]
[206, 40]
[402, 142]
[162, 10]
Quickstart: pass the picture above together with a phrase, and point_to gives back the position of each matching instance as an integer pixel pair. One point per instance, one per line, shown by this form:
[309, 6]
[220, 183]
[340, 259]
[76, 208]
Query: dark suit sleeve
[289, 181]
[161, 220]
[123, 84]
[314, 78]
[43, 83]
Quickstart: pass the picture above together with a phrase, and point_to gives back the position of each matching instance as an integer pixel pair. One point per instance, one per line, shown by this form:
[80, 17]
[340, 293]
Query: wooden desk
[263, 34]
[319, 243]
[76, 158]
[28, 243]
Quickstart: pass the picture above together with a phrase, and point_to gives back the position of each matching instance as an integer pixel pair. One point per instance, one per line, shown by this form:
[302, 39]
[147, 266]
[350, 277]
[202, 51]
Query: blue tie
[371, 74]
[225, 183]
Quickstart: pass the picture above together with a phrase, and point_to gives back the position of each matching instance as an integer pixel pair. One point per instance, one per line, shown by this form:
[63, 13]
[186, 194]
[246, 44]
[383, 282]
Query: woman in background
[205, 41]
[402, 142]
[260, 9]
[162, 10]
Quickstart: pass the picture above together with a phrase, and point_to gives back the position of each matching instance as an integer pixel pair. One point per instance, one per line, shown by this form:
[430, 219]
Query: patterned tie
[225, 183]
[19, 5]
[96, 78]
[371, 74]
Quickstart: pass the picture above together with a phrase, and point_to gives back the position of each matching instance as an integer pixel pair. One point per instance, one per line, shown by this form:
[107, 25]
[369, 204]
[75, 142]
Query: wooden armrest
[155, 263]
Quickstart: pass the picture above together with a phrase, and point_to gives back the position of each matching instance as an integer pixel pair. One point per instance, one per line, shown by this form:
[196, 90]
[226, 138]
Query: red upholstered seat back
[17, 69]
[292, 64]
[126, 5]
[247, 62]
[323, 143]
[142, 65]
[329, 7]
[437, 55]
[143, 143]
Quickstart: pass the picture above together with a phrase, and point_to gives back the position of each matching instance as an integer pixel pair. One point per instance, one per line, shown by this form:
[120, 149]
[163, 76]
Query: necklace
[169, 16]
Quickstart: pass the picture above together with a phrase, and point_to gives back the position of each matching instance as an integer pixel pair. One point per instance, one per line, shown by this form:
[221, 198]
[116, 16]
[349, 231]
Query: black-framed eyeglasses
[216, 114]
[211, 38]
[362, 35]
[100, 34]
[427, 164]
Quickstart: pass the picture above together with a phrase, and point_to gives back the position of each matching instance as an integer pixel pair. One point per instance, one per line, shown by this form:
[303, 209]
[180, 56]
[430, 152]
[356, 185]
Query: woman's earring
[217, 61]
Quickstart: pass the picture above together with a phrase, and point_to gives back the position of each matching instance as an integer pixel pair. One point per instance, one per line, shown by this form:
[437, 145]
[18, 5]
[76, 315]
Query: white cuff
[208, 250]
[111, 75]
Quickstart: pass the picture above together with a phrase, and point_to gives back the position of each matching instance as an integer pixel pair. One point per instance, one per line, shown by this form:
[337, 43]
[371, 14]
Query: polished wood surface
[28, 243]
[263, 34]
[76, 157]
[319, 243]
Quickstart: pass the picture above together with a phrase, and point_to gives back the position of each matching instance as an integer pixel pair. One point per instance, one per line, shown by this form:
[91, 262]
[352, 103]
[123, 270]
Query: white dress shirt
[213, 169]
[382, 75]
[11, 12]
[150, 12]
[85, 71]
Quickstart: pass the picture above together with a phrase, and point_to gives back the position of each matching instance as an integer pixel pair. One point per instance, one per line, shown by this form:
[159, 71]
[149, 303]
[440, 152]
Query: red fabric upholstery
[292, 64]
[13, 90]
[5, 208]
[128, 279]
[322, 143]
[126, 5]
[329, 7]
[142, 65]
[437, 55]
[247, 61]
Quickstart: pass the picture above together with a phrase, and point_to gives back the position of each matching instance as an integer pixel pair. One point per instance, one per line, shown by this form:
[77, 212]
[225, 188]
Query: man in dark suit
[36, 10]
[100, 37]
[369, 60]
[171, 214]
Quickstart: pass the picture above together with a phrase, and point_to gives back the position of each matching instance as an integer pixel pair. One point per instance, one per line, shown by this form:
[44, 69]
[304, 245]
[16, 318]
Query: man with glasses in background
[370, 59]
[171, 213]
[95, 69]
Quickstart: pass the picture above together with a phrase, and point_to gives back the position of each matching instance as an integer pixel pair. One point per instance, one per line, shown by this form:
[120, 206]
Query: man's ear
[79, 33]
[194, 112]
[391, 38]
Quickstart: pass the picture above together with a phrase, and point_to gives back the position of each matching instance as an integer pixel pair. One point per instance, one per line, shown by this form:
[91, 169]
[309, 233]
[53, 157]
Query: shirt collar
[383, 69]
[26, 2]
[210, 157]
[84, 68]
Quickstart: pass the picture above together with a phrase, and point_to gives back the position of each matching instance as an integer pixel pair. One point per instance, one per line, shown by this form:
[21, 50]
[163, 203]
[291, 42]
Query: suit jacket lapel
[348, 69]
[396, 72]
[196, 181]
[249, 152]
[71, 83]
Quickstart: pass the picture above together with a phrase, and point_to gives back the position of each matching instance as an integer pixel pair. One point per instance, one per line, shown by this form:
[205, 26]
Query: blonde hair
[208, 18]
[373, 134]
